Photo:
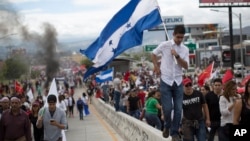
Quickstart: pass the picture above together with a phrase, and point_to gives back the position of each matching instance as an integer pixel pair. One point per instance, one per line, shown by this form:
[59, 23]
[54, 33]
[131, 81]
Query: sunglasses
[188, 85]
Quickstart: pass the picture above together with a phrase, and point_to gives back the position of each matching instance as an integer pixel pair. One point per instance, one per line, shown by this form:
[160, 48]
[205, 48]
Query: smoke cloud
[45, 43]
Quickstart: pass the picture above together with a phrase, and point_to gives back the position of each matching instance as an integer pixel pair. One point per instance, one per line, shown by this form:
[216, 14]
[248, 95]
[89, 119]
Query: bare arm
[237, 111]
[206, 111]
[155, 62]
[39, 122]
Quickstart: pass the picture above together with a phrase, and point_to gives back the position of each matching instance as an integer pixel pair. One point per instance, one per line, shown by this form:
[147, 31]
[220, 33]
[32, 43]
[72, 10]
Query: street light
[241, 51]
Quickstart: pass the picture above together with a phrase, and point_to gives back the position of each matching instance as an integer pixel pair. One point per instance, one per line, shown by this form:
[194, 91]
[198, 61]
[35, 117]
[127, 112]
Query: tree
[14, 68]
[86, 62]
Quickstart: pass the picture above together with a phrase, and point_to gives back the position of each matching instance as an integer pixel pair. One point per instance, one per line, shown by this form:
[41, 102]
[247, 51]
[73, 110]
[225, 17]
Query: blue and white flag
[105, 76]
[124, 31]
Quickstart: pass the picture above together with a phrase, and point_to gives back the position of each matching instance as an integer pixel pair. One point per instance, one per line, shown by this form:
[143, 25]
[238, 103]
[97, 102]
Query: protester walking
[227, 103]
[212, 99]
[117, 91]
[242, 108]
[11, 125]
[53, 119]
[33, 116]
[80, 105]
[152, 107]
[194, 106]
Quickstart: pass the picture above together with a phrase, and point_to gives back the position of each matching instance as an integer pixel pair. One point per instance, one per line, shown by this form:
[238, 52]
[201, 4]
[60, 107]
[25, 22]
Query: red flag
[205, 74]
[18, 88]
[227, 76]
[126, 76]
[244, 80]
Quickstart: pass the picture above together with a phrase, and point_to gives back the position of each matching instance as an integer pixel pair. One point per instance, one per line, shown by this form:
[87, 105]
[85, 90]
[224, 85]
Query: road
[92, 128]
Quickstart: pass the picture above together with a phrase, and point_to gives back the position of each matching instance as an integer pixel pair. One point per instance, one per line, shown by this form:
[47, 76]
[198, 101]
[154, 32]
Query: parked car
[238, 72]
[238, 65]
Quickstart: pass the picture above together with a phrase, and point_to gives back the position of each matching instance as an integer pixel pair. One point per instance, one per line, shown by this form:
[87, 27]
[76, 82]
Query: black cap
[51, 98]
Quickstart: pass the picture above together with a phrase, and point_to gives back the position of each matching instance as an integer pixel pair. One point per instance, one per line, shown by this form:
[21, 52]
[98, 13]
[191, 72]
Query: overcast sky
[86, 18]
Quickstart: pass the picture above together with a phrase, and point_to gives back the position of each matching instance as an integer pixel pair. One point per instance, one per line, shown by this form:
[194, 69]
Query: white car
[238, 71]
[238, 65]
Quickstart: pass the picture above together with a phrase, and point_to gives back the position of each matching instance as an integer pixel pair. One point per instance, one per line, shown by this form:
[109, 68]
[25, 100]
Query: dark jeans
[80, 113]
[153, 120]
[223, 133]
[117, 97]
[172, 97]
[135, 113]
[192, 128]
[215, 125]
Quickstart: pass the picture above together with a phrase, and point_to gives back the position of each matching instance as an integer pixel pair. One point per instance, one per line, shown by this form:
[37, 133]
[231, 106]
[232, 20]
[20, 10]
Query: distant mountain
[245, 31]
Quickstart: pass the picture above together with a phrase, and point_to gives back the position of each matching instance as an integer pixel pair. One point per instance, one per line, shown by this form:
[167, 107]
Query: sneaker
[165, 133]
[176, 138]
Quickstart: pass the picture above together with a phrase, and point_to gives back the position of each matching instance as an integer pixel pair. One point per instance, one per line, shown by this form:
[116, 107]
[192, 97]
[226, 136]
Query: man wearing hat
[53, 120]
[15, 123]
[193, 121]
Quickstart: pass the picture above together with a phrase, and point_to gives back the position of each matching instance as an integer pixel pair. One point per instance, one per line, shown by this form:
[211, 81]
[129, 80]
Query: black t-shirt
[245, 114]
[212, 100]
[192, 105]
[133, 103]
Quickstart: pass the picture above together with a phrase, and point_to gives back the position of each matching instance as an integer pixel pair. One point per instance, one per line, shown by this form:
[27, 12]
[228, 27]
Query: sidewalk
[92, 128]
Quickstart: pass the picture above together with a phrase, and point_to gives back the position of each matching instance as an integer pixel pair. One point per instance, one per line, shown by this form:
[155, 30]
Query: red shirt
[13, 127]
[141, 94]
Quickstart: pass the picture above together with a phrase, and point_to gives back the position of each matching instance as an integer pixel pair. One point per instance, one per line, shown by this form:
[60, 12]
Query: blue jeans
[153, 120]
[80, 113]
[171, 98]
[135, 113]
[117, 97]
[189, 131]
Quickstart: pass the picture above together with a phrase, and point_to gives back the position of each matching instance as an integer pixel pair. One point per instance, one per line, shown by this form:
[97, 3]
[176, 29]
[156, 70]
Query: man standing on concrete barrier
[174, 57]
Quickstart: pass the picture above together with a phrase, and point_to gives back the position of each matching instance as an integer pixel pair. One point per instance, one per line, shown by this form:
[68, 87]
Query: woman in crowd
[62, 104]
[242, 108]
[37, 132]
[227, 104]
[205, 89]
[85, 104]
[151, 109]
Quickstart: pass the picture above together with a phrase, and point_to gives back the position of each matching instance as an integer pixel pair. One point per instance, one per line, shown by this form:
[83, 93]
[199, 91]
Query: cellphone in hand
[52, 120]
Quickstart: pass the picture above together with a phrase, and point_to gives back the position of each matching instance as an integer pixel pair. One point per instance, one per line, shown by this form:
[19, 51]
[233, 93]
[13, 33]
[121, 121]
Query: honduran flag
[124, 31]
[105, 76]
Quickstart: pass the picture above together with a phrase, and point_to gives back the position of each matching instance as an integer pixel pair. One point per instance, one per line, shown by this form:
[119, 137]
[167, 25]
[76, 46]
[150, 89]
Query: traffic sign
[191, 46]
[149, 48]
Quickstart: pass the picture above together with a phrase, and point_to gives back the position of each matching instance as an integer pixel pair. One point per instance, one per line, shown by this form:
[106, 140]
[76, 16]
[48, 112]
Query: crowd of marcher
[23, 118]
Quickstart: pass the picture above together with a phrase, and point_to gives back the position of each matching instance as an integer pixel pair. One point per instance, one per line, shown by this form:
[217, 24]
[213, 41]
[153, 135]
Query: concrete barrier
[129, 128]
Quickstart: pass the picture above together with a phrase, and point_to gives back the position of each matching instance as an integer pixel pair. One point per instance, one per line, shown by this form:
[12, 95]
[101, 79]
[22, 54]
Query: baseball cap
[186, 81]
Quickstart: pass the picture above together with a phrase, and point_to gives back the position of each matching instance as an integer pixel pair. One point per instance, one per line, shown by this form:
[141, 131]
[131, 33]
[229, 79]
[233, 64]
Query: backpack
[80, 104]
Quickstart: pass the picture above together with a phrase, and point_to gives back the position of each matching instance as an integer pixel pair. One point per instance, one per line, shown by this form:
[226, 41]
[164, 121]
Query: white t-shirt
[62, 105]
[117, 84]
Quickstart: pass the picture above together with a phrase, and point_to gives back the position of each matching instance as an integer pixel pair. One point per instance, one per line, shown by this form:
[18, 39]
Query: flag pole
[165, 29]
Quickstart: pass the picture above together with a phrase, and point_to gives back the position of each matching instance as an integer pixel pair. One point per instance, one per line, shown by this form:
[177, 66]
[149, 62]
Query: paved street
[92, 128]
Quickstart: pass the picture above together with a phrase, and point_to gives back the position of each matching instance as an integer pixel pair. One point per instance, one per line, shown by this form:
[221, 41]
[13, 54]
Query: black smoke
[45, 43]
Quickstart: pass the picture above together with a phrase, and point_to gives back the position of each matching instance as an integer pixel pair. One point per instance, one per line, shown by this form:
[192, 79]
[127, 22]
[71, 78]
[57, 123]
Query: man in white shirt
[174, 57]
[117, 90]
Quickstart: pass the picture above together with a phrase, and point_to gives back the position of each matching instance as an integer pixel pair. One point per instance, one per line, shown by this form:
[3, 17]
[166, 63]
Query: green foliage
[86, 62]
[14, 68]
[34, 74]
